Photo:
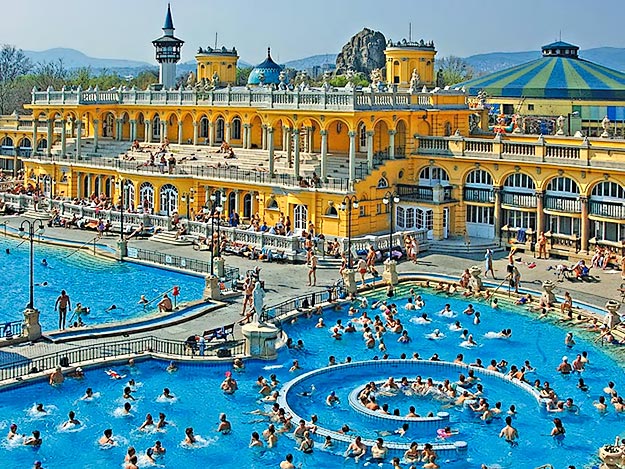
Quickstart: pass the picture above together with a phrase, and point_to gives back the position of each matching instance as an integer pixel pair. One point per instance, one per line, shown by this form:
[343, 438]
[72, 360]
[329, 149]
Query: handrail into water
[499, 286]
[82, 246]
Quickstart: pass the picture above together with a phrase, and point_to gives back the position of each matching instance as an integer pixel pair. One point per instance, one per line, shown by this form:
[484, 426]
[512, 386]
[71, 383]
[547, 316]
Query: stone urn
[612, 318]
[475, 282]
[390, 272]
[548, 295]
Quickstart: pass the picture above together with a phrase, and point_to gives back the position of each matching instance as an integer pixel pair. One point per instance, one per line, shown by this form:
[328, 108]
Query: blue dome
[268, 68]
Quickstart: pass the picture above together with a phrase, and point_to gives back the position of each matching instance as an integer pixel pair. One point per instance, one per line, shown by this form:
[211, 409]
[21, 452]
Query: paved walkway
[284, 281]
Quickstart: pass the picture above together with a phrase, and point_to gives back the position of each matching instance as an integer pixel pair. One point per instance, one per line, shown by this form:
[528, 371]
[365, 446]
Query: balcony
[481, 195]
[518, 199]
[614, 210]
[433, 194]
[563, 204]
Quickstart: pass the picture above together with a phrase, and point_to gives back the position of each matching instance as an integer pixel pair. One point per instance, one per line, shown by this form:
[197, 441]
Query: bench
[219, 333]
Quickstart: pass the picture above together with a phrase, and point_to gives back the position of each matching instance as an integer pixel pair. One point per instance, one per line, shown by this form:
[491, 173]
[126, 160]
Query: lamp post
[349, 203]
[390, 199]
[32, 231]
[212, 244]
[188, 199]
[120, 187]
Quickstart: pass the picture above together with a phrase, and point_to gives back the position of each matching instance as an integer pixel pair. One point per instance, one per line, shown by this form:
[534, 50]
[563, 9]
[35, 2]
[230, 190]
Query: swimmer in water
[12, 431]
[158, 448]
[34, 440]
[143, 301]
[167, 394]
[332, 399]
[39, 408]
[162, 423]
[171, 367]
[72, 420]
[127, 408]
[224, 426]
[509, 432]
[149, 421]
[128, 394]
[110, 308]
[44, 262]
[88, 395]
[107, 438]
[189, 438]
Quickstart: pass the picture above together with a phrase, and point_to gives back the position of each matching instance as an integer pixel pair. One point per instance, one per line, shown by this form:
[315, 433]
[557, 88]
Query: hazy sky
[299, 28]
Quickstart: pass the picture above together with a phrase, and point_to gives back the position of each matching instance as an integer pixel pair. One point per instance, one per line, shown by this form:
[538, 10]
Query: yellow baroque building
[452, 179]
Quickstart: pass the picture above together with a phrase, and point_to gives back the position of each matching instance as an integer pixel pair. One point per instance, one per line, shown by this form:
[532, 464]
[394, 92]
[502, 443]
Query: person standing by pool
[312, 270]
[63, 303]
[488, 263]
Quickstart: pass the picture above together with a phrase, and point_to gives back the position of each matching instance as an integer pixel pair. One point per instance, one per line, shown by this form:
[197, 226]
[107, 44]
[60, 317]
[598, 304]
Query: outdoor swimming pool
[199, 400]
[93, 281]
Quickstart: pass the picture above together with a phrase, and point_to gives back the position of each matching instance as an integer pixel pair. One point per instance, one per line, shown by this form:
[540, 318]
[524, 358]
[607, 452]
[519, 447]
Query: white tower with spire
[168, 52]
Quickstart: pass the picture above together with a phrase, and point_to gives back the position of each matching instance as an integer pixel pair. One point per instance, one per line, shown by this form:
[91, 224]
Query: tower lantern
[168, 52]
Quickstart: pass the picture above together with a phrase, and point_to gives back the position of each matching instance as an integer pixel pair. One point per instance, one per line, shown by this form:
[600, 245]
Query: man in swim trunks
[56, 377]
[165, 305]
[63, 303]
[312, 270]
[509, 432]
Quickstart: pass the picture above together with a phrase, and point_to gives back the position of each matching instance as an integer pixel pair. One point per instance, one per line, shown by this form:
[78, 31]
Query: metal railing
[184, 263]
[607, 209]
[276, 313]
[10, 330]
[111, 350]
[475, 194]
[563, 204]
[424, 193]
[518, 199]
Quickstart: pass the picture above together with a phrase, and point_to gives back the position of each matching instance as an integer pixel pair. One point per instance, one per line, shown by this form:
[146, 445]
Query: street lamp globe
[343, 206]
[396, 199]
[385, 200]
[355, 204]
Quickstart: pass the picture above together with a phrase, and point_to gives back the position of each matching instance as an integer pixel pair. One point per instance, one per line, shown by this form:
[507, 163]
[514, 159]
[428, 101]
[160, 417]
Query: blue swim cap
[333, 393]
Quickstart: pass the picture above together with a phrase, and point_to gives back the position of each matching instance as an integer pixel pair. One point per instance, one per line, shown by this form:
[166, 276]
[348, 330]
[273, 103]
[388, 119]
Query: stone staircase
[459, 247]
[40, 214]
[169, 237]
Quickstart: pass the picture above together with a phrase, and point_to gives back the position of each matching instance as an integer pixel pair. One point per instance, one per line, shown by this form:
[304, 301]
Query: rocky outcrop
[363, 53]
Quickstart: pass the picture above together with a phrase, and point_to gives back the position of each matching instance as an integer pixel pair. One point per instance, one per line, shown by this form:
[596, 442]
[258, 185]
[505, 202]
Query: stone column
[310, 140]
[195, 132]
[236, 200]
[78, 136]
[296, 145]
[49, 137]
[211, 134]
[163, 131]
[119, 129]
[324, 155]
[370, 134]
[249, 136]
[34, 140]
[148, 131]
[269, 132]
[585, 225]
[228, 132]
[96, 133]
[288, 146]
[263, 136]
[63, 137]
[352, 155]
[133, 130]
[391, 144]
[540, 213]
[497, 211]
[179, 132]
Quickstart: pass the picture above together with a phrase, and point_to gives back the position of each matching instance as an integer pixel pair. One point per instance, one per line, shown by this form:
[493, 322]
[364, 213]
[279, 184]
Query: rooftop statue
[414, 81]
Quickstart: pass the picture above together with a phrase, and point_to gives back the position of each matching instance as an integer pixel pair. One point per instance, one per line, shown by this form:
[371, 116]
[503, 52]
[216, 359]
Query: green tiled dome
[558, 74]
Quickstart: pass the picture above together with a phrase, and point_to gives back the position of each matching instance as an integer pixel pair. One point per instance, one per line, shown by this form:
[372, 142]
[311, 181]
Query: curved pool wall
[96, 282]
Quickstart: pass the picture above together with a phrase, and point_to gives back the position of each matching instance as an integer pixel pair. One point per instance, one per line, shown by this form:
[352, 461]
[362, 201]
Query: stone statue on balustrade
[349, 74]
[282, 77]
[604, 124]
[326, 81]
[414, 81]
[440, 79]
[258, 299]
[560, 125]
[261, 79]
[191, 80]
[376, 78]
[215, 80]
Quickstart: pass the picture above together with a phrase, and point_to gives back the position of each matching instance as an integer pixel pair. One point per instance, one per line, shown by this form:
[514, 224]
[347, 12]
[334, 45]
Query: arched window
[300, 218]
[382, 183]
[25, 144]
[362, 137]
[7, 142]
[432, 175]
[331, 211]
[129, 195]
[519, 182]
[146, 194]
[562, 185]
[107, 187]
[97, 186]
[203, 127]
[219, 130]
[156, 127]
[86, 185]
[169, 199]
[272, 204]
[232, 202]
[608, 190]
[42, 145]
[479, 178]
[247, 206]
[236, 129]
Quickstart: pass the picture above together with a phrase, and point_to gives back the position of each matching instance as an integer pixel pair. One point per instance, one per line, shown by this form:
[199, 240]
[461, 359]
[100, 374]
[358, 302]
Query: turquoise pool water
[95, 282]
[200, 401]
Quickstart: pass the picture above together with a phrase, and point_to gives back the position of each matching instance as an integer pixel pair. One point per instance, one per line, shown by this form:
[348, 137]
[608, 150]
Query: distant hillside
[612, 57]
[75, 59]
[310, 62]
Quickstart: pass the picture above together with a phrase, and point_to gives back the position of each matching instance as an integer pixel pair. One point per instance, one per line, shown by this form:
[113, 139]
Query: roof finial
[268, 52]
[169, 23]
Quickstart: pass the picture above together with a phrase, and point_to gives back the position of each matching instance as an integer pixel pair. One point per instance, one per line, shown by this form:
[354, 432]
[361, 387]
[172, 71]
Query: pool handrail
[101, 352]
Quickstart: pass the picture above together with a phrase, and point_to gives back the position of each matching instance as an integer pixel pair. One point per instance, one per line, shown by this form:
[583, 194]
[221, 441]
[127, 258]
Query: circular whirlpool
[306, 395]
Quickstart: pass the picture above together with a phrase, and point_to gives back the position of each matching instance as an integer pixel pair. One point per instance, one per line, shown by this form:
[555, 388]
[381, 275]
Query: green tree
[455, 70]
[243, 73]
[13, 65]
